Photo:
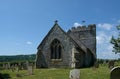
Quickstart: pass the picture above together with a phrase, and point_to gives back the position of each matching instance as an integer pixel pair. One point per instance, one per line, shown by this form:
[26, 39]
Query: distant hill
[16, 58]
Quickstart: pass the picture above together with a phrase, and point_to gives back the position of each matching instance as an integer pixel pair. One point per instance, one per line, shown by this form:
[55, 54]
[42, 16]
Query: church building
[75, 48]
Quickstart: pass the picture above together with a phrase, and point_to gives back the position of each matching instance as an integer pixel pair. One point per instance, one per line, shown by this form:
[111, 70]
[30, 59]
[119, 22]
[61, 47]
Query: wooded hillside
[17, 58]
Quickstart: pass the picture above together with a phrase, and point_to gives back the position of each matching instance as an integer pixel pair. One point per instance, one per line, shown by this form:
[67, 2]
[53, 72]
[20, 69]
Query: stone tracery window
[56, 49]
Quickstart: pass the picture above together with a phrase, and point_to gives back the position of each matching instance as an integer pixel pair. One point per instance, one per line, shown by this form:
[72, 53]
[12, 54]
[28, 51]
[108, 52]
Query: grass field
[87, 73]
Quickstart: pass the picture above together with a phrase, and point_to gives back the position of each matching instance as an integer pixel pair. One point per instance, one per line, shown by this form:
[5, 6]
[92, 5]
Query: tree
[116, 42]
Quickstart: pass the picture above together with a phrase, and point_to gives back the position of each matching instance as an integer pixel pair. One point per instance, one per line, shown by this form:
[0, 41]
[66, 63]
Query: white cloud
[29, 42]
[104, 48]
[102, 38]
[77, 24]
[108, 55]
[105, 26]
[104, 51]
[110, 47]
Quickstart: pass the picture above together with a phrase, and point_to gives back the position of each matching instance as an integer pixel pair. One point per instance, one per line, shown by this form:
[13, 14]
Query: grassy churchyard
[103, 72]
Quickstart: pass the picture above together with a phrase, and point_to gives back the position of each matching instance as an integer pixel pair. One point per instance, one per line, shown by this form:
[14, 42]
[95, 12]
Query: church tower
[86, 35]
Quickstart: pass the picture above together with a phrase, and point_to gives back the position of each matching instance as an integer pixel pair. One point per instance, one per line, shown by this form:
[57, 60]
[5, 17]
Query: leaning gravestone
[74, 74]
[115, 73]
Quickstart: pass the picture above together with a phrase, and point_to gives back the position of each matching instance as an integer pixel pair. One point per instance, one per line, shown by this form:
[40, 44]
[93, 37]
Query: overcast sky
[24, 23]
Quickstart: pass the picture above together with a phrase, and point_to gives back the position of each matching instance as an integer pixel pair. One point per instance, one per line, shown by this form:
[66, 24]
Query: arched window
[56, 49]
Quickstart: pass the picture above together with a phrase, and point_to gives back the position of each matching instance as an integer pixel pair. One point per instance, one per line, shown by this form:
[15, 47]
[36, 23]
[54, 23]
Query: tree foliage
[116, 42]
[18, 58]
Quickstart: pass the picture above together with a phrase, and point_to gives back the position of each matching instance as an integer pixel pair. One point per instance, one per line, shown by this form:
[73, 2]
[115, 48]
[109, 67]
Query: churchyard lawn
[103, 72]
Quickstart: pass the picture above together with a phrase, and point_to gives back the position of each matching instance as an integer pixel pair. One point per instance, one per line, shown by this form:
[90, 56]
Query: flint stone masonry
[87, 35]
[81, 39]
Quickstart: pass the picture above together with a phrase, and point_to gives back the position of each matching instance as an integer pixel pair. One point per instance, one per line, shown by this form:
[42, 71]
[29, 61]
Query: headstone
[16, 65]
[4, 66]
[19, 67]
[34, 65]
[30, 70]
[8, 64]
[25, 65]
[111, 64]
[12, 68]
[74, 74]
[115, 73]
[104, 63]
[96, 65]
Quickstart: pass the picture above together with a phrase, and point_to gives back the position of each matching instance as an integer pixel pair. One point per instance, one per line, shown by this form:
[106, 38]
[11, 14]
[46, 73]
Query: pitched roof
[76, 43]
[80, 44]
[54, 26]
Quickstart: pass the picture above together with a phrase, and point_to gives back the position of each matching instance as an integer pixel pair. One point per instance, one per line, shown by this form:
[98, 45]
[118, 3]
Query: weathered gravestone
[111, 64]
[115, 73]
[104, 63]
[30, 70]
[12, 68]
[4, 65]
[74, 74]
[19, 67]
[96, 65]
[25, 65]
[7, 65]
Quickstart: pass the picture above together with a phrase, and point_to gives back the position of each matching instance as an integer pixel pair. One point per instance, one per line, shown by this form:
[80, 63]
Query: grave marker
[74, 74]
[111, 64]
[30, 70]
[96, 65]
[115, 73]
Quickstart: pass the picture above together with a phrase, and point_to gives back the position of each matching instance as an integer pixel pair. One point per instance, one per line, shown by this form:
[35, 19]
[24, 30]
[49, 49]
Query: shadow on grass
[4, 76]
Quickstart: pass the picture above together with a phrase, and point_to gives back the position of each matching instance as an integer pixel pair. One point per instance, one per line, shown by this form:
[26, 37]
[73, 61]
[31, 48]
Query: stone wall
[85, 34]
[68, 41]
[67, 46]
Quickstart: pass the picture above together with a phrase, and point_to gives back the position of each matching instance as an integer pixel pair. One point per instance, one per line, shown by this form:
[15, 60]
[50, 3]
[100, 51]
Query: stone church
[73, 49]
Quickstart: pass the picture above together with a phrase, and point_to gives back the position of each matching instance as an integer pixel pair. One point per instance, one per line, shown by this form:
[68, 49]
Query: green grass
[86, 73]
[100, 73]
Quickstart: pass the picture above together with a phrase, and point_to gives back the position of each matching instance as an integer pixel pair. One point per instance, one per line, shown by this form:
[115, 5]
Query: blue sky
[24, 23]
